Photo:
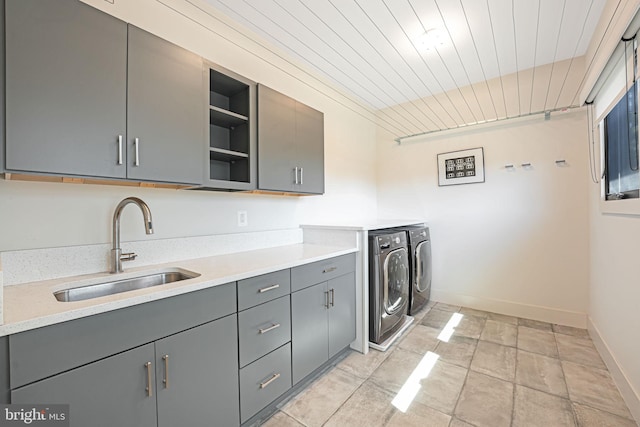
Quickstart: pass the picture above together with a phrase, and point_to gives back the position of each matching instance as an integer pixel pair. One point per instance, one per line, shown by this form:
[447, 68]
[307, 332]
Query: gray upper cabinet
[165, 121]
[290, 144]
[87, 95]
[2, 70]
[66, 68]
[116, 391]
[309, 149]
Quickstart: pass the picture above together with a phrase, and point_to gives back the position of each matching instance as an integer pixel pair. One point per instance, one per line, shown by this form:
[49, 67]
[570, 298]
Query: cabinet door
[309, 333]
[309, 149]
[342, 312]
[198, 382]
[107, 393]
[276, 140]
[164, 111]
[66, 69]
[4, 370]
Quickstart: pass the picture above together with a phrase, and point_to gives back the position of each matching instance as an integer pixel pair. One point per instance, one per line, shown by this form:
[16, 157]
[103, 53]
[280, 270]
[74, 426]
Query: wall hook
[561, 162]
[509, 167]
[526, 165]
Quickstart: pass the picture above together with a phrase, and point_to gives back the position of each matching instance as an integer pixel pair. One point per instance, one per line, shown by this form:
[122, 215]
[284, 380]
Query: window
[622, 178]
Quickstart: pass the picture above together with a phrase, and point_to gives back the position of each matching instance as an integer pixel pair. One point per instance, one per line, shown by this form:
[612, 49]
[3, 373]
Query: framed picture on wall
[461, 167]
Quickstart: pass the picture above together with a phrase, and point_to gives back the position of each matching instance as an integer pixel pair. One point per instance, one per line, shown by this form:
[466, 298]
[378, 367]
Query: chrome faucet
[116, 253]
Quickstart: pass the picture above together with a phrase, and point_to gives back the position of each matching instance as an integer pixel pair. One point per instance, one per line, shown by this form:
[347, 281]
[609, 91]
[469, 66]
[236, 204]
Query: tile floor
[492, 371]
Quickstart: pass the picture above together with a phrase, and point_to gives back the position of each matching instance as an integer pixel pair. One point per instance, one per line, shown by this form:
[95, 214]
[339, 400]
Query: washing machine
[388, 283]
[419, 244]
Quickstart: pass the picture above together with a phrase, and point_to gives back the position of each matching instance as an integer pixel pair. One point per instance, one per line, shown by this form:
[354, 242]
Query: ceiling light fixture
[431, 39]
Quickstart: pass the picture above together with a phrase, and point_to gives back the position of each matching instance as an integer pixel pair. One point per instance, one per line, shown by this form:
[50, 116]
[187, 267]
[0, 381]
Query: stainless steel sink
[123, 285]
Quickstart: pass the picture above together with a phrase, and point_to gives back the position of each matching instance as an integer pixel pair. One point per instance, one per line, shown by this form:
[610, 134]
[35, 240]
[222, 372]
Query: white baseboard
[629, 394]
[510, 308]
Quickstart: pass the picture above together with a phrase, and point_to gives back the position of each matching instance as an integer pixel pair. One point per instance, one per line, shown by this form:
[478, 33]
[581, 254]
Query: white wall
[40, 215]
[517, 243]
[614, 310]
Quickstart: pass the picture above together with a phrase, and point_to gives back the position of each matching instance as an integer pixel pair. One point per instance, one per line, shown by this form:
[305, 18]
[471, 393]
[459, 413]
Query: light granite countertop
[377, 224]
[33, 305]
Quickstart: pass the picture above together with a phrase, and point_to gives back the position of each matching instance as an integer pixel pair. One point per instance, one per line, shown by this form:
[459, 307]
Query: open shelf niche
[231, 131]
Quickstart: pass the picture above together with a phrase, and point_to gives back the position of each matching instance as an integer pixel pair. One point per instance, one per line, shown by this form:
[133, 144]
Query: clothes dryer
[419, 244]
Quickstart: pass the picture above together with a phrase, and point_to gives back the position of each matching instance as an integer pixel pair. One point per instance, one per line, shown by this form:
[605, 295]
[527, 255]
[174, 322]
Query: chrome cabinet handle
[301, 176]
[329, 270]
[333, 296]
[326, 300]
[268, 288]
[136, 144]
[295, 175]
[119, 149]
[165, 381]
[148, 389]
[270, 328]
[270, 380]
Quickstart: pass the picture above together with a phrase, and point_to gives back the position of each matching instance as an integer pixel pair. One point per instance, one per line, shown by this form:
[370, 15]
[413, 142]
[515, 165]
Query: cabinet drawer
[263, 328]
[267, 287]
[264, 381]
[321, 271]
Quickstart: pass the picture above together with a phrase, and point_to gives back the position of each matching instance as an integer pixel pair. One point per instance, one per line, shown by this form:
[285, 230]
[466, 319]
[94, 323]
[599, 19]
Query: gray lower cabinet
[197, 376]
[192, 376]
[290, 144]
[263, 328]
[264, 340]
[66, 88]
[264, 380]
[309, 332]
[110, 392]
[165, 121]
[342, 312]
[323, 323]
[5, 391]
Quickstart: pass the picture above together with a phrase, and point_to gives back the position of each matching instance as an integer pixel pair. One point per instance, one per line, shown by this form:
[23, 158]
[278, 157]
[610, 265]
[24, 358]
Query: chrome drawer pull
[136, 143]
[270, 328]
[269, 288]
[148, 388]
[270, 380]
[165, 381]
[119, 149]
[329, 270]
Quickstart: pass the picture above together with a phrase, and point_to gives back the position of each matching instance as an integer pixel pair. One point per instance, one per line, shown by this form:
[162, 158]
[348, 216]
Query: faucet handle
[129, 256]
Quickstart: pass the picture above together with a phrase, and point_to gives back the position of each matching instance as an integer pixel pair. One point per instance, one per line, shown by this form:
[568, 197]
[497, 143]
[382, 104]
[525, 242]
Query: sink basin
[122, 285]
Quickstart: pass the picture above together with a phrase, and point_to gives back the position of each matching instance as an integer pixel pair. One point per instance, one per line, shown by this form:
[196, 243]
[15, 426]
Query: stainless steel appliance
[419, 244]
[388, 283]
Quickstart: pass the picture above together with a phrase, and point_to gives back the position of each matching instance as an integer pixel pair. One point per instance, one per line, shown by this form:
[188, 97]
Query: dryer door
[396, 280]
[423, 266]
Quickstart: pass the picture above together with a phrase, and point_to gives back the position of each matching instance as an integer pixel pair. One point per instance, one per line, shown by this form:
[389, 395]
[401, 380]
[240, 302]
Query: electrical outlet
[243, 219]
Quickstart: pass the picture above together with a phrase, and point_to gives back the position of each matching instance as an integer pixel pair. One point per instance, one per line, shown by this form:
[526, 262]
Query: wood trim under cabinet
[75, 180]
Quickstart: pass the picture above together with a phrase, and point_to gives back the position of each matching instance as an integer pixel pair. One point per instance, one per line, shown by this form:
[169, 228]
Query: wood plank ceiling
[494, 59]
